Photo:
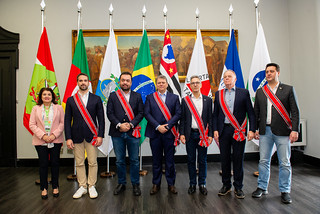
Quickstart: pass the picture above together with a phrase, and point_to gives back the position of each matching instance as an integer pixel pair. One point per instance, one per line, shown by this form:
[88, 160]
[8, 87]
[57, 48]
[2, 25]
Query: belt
[194, 130]
[228, 124]
[268, 124]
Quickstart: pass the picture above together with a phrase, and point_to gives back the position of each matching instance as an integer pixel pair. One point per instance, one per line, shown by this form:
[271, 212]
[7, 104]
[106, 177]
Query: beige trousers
[79, 155]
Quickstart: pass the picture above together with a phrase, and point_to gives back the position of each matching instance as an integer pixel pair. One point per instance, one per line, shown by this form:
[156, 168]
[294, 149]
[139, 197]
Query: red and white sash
[203, 132]
[239, 131]
[87, 117]
[277, 105]
[166, 113]
[127, 108]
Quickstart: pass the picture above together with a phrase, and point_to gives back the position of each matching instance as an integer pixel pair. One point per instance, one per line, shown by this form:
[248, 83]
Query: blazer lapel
[39, 114]
[54, 108]
[204, 102]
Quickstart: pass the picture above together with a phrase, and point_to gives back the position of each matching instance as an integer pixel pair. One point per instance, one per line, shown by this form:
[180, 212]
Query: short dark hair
[193, 77]
[162, 77]
[40, 101]
[125, 73]
[82, 74]
[273, 64]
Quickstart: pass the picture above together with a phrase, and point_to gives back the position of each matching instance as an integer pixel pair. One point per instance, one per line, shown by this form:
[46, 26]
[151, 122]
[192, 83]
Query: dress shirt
[84, 98]
[163, 98]
[229, 98]
[269, 105]
[199, 106]
[127, 95]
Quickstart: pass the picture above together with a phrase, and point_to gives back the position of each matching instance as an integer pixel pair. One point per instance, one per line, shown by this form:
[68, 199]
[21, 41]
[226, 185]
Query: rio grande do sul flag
[43, 76]
[168, 66]
[198, 66]
[143, 80]
[79, 65]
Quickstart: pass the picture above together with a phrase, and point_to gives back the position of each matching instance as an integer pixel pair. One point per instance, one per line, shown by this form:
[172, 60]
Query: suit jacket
[186, 117]
[79, 130]
[155, 117]
[37, 126]
[116, 114]
[286, 95]
[242, 108]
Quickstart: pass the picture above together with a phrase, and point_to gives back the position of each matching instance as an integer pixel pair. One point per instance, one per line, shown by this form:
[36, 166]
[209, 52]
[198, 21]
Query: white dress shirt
[84, 98]
[199, 106]
[269, 105]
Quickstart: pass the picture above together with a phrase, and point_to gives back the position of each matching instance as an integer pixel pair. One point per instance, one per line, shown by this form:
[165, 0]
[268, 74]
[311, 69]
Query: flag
[143, 80]
[108, 82]
[43, 76]
[232, 63]
[198, 66]
[79, 65]
[168, 66]
[259, 61]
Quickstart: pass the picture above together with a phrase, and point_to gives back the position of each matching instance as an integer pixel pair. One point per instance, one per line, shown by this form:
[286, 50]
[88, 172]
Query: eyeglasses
[195, 83]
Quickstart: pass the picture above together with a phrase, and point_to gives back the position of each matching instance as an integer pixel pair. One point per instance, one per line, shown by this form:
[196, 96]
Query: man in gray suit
[277, 114]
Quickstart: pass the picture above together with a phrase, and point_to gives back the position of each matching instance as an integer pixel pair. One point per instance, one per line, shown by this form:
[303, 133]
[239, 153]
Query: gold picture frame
[215, 45]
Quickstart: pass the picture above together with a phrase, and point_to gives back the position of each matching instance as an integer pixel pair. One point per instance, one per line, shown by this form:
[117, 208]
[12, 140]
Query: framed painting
[215, 45]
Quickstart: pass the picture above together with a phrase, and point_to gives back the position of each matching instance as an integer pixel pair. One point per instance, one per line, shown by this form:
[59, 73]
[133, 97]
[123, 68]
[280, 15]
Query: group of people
[274, 119]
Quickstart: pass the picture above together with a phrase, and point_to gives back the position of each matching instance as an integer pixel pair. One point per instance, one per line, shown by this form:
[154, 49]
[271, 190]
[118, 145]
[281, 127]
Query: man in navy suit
[231, 107]
[80, 137]
[195, 126]
[125, 111]
[277, 123]
[160, 131]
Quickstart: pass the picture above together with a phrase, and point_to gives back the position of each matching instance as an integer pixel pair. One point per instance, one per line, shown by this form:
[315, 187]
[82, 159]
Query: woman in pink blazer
[47, 124]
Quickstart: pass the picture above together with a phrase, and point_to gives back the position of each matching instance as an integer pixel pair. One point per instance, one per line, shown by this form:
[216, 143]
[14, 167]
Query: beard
[83, 87]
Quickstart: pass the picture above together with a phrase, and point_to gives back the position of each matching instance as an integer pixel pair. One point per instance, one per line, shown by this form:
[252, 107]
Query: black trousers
[226, 143]
[43, 154]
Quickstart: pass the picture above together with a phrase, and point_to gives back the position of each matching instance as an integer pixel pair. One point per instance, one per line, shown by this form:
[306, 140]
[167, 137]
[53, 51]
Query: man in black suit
[83, 132]
[162, 111]
[277, 115]
[196, 133]
[231, 107]
[125, 111]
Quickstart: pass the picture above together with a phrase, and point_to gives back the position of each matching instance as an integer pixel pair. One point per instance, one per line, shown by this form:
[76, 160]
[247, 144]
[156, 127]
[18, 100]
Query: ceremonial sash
[127, 108]
[166, 113]
[86, 117]
[239, 131]
[203, 132]
[277, 105]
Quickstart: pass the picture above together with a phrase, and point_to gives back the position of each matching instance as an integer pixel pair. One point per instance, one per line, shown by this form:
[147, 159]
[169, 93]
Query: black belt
[228, 124]
[268, 124]
[194, 130]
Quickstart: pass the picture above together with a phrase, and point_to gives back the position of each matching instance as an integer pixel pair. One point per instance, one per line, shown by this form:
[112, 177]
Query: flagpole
[144, 11]
[108, 173]
[42, 5]
[79, 5]
[230, 19]
[197, 18]
[165, 10]
[256, 2]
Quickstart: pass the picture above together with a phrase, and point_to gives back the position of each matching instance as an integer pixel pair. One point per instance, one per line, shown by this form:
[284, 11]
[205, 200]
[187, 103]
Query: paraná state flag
[232, 63]
[79, 65]
[43, 76]
[143, 80]
[168, 66]
[198, 66]
[108, 82]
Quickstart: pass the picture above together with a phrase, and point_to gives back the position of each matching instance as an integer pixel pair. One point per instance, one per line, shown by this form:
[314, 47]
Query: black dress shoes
[172, 189]
[119, 189]
[155, 189]
[56, 195]
[44, 197]
[192, 189]
[203, 190]
[224, 190]
[239, 193]
[136, 190]
[259, 192]
[285, 198]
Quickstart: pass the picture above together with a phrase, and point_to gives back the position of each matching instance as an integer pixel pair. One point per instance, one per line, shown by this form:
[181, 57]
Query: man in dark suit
[277, 115]
[84, 134]
[196, 133]
[125, 111]
[160, 130]
[231, 107]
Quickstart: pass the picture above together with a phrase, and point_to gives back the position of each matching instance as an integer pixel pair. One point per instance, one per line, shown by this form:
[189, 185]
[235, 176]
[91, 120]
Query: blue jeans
[284, 153]
[192, 146]
[119, 145]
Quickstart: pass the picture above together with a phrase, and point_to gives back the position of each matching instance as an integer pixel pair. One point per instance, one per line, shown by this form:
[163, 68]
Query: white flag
[198, 66]
[108, 82]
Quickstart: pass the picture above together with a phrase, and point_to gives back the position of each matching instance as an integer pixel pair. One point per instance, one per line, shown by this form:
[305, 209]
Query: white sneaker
[93, 192]
[81, 191]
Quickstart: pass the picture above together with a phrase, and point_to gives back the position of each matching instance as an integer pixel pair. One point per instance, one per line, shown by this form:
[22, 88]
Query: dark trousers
[43, 154]
[160, 146]
[226, 143]
[192, 146]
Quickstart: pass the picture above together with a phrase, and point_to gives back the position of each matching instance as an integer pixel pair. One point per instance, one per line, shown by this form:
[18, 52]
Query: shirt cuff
[118, 125]
[157, 127]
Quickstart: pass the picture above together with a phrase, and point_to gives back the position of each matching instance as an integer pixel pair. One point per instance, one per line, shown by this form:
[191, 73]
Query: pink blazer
[37, 126]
